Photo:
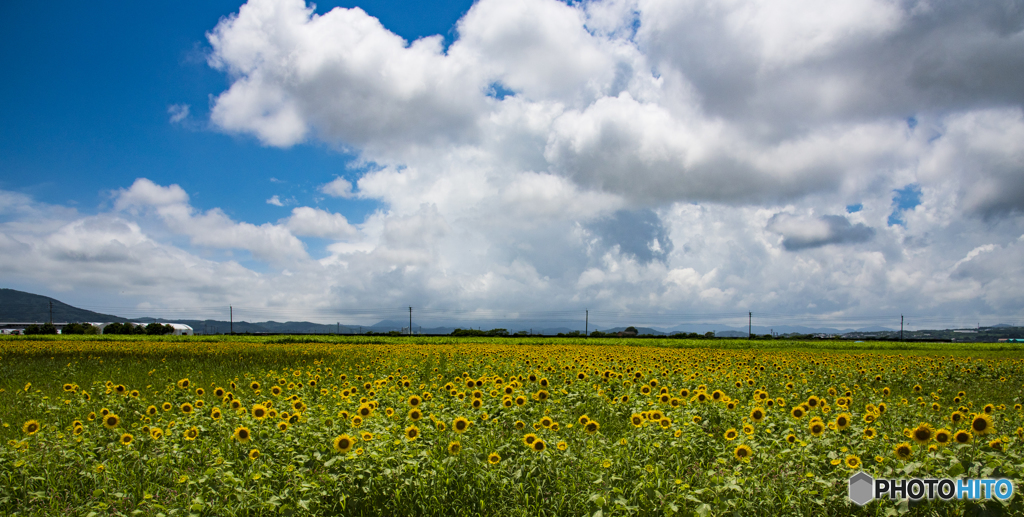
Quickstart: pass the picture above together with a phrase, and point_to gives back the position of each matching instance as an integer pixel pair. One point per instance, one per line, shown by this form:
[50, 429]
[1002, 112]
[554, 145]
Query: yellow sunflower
[242, 434]
[743, 452]
[30, 427]
[963, 437]
[816, 427]
[111, 421]
[843, 421]
[259, 411]
[981, 424]
[412, 432]
[343, 443]
[904, 451]
[923, 433]
[757, 415]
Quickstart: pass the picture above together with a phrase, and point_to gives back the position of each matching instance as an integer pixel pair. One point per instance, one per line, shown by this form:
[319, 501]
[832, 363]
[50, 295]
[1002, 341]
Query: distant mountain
[731, 333]
[639, 330]
[263, 327]
[763, 329]
[22, 307]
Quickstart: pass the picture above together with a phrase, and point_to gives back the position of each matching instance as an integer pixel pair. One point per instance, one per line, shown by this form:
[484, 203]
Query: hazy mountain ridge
[21, 307]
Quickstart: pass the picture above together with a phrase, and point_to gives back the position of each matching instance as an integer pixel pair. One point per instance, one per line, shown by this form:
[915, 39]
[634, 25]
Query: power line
[571, 317]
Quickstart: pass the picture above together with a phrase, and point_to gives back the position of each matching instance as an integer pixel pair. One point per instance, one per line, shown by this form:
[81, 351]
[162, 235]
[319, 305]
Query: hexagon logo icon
[862, 488]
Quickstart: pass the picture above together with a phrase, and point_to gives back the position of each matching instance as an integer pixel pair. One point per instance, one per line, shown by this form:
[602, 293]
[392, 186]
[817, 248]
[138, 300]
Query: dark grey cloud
[637, 232]
[805, 233]
[937, 56]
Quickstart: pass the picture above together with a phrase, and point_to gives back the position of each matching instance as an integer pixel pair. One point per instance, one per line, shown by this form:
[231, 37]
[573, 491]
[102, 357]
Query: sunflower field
[232, 426]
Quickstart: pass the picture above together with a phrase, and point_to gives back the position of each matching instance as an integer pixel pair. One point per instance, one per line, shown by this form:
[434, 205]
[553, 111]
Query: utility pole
[232, 327]
[750, 316]
[410, 321]
[51, 312]
[901, 327]
[586, 324]
[339, 327]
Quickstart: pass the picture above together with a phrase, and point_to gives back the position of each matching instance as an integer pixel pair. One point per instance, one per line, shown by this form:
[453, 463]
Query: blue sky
[821, 163]
[87, 94]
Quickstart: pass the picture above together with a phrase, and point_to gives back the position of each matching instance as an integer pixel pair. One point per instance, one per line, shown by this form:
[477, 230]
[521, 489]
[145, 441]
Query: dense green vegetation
[627, 427]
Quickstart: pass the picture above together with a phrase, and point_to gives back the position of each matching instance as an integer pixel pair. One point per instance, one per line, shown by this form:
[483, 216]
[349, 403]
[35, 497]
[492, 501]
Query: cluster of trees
[45, 328]
[479, 333]
[80, 328]
[153, 329]
[692, 335]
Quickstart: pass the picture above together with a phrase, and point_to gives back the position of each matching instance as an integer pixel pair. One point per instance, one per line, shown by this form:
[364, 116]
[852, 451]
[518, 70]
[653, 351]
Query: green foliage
[126, 329]
[157, 329]
[45, 328]
[481, 333]
[79, 329]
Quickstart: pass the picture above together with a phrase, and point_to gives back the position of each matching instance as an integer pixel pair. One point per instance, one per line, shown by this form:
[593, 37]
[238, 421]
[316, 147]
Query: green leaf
[955, 469]
[598, 513]
[903, 507]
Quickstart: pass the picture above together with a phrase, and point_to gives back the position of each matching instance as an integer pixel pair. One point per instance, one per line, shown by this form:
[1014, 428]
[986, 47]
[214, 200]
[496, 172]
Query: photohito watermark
[864, 488]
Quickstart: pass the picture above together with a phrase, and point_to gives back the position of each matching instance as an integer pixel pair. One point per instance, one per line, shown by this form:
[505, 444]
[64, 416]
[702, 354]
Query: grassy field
[103, 425]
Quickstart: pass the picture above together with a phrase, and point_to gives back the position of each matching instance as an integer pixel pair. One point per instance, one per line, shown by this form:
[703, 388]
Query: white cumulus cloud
[635, 155]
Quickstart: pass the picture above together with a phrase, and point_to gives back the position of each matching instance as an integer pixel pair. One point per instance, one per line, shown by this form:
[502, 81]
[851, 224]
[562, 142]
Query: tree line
[153, 329]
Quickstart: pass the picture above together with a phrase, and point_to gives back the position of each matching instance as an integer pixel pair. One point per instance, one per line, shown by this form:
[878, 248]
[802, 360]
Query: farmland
[124, 425]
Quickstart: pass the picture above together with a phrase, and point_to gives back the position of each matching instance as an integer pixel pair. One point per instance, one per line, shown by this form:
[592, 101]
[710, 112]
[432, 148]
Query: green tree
[158, 329]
